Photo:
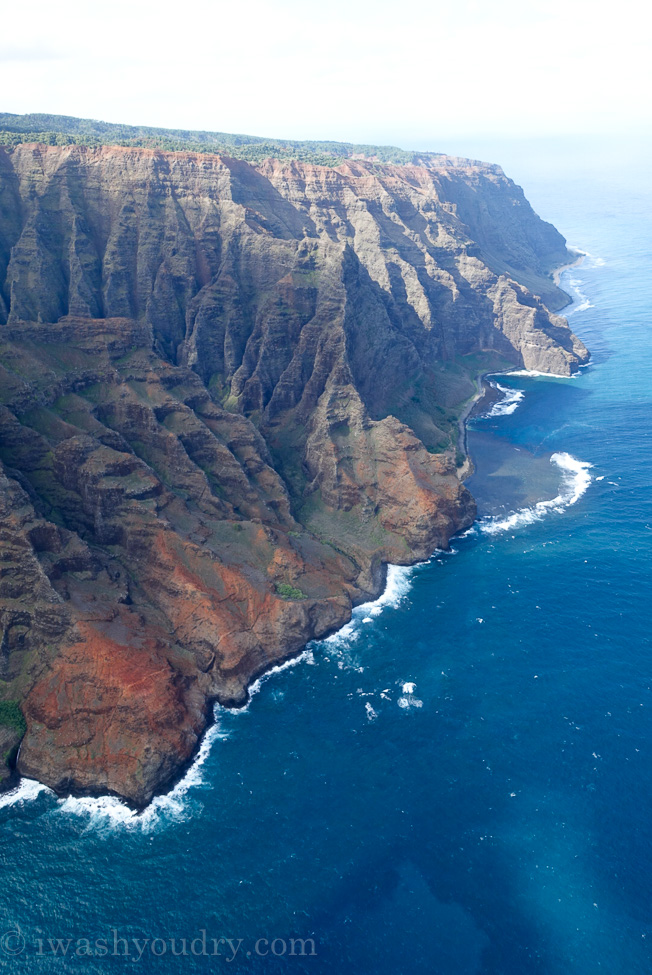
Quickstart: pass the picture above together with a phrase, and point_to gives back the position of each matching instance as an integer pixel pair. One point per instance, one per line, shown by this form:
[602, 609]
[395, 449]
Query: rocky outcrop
[229, 395]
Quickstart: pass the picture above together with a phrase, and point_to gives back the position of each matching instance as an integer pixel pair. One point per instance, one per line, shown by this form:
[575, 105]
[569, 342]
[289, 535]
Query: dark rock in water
[230, 394]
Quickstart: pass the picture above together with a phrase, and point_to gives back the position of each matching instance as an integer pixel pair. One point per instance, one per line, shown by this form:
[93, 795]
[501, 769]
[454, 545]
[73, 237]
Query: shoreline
[204, 741]
[558, 271]
[483, 388]
[14, 782]
[466, 468]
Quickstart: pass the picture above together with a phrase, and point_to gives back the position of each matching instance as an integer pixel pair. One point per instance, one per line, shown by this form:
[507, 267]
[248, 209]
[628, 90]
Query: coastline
[558, 271]
[124, 810]
[204, 742]
[483, 388]
[483, 392]
[121, 809]
[167, 789]
[465, 470]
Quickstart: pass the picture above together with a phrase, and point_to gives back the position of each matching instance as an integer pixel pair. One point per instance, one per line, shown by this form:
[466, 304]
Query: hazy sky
[408, 72]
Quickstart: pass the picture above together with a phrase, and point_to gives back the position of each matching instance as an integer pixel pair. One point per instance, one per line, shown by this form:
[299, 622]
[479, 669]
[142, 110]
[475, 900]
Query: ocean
[460, 781]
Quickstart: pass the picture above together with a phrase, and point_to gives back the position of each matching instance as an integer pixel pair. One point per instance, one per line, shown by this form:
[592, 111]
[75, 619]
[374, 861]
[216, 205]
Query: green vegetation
[286, 591]
[354, 529]
[63, 130]
[11, 716]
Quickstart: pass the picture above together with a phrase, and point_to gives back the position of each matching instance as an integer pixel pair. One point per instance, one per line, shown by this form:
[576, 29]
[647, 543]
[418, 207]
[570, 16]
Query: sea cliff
[229, 396]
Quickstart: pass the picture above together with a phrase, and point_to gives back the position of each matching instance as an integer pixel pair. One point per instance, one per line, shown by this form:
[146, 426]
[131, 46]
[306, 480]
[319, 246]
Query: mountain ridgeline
[230, 395]
[63, 130]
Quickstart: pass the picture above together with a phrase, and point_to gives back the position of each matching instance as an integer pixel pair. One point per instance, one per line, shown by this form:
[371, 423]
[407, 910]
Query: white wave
[409, 702]
[102, 811]
[345, 632]
[575, 481]
[371, 714]
[98, 810]
[582, 306]
[508, 404]
[588, 259]
[409, 699]
[532, 373]
[175, 805]
[306, 656]
[341, 643]
[396, 588]
[26, 791]
[580, 300]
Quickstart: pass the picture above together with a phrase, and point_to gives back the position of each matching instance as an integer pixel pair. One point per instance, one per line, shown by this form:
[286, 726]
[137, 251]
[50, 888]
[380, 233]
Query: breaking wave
[508, 404]
[580, 300]
[26, 791]
[531, 373]
[575, 481]
[173, 806]
[306, 656]
[396, 588]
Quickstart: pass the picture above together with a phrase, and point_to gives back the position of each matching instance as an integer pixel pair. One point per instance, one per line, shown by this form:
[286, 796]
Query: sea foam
[409, 698]
[532, 373]
[102, 811]
[306, 656]
[507, 405]
[396, 588]
[575, 481]
[109, 811]
[26, 791]
[580, 301]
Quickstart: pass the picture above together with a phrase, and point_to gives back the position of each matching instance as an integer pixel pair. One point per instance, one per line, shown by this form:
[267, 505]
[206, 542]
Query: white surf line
[397, 586]
[510, 402]
[26, 790]
[110, 810]
[532, 373]
[575, 481]
[173, 806]
[580, 257]
[513, 398]
[305, 656]
[581, 301]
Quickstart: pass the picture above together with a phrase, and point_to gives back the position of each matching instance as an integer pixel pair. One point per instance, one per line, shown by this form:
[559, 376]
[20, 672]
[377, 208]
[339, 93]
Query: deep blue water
[495, 817]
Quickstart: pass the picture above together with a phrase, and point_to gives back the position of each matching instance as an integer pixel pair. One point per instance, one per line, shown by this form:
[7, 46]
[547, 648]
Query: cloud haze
[381, 71]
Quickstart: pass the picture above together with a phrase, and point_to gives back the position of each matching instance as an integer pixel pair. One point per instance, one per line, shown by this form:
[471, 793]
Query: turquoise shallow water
[460, 782]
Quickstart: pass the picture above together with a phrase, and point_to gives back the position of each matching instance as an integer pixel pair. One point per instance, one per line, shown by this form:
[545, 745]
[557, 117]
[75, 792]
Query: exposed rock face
[225, 387]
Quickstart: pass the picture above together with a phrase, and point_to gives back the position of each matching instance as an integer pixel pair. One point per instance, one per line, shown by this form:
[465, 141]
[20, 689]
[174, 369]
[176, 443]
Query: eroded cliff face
[229, 396]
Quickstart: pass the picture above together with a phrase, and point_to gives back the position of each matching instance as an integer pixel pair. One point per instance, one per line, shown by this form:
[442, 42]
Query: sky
[427, 75]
